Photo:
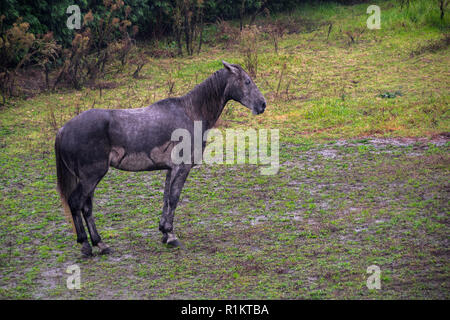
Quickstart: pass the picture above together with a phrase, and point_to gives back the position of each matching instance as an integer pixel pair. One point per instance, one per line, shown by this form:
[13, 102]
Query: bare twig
[281, 78]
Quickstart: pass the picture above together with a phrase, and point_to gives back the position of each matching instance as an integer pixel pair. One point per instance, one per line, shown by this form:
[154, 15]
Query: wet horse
[140, 140]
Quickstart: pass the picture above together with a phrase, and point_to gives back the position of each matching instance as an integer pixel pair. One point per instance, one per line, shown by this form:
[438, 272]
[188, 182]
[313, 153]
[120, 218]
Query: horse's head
[241, 88]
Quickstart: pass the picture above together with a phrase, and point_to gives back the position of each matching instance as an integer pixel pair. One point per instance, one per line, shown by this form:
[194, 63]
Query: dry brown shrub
[249, 45]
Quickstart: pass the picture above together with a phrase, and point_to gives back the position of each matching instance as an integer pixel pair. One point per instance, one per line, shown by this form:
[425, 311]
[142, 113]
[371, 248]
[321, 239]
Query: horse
[140, 140]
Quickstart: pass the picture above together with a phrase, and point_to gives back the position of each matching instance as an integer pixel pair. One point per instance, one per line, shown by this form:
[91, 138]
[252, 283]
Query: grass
[363, 179]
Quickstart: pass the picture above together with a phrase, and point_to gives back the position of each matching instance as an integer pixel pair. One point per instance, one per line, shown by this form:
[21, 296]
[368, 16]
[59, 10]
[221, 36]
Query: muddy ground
[311, 231]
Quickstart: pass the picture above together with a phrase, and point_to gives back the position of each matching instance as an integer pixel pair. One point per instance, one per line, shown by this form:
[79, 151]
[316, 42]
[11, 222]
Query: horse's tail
[66, 180]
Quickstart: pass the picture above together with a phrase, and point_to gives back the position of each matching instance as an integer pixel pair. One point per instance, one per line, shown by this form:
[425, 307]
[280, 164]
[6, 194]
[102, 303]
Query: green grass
[360, 181]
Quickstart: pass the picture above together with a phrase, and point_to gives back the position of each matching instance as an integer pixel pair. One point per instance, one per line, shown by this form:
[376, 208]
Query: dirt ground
[311, 231]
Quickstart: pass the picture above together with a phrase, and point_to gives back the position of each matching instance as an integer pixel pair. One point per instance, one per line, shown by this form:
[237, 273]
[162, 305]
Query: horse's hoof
[164, 238]
[86, 250]
[175, 244]
[104, 249]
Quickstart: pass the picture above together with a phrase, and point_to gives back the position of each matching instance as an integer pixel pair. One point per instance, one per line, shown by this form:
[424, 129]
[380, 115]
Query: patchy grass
[351, 192]
[310, 231]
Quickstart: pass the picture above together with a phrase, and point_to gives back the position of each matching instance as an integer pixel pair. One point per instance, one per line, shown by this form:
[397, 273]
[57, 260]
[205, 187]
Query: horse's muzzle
[260, 109]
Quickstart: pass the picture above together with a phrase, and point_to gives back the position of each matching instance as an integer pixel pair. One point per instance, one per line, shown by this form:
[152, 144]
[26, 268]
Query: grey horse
[140, 140]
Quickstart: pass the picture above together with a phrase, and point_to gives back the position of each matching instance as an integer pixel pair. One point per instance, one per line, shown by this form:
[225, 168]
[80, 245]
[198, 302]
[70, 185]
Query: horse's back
[143, 129]
[141, 138]
[128, 139]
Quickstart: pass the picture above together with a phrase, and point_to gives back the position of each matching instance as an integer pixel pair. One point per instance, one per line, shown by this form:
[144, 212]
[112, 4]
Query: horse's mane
[207, 98]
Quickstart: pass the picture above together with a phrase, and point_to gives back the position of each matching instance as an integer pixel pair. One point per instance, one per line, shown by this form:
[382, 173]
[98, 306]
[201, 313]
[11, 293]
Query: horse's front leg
[175, 180]
[166, 205]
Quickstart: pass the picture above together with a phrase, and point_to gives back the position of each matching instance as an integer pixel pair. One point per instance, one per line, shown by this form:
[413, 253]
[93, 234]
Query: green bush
[19, 47]
[153, 18]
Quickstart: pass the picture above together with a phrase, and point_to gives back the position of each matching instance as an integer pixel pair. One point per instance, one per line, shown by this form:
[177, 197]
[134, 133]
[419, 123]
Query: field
[363, 180]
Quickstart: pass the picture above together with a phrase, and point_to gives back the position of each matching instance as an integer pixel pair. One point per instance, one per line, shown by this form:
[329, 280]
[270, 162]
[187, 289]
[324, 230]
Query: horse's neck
[206, 101]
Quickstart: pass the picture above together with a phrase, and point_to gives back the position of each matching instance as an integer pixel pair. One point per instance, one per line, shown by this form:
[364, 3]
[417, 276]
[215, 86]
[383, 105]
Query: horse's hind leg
[76, 201]
[93, 233]
[81, 201]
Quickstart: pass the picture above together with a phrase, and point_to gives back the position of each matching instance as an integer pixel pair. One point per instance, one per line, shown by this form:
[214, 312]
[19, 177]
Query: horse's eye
[247, 82]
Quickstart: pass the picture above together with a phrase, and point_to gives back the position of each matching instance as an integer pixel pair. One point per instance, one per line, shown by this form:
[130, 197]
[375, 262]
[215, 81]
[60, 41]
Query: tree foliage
[153, 18]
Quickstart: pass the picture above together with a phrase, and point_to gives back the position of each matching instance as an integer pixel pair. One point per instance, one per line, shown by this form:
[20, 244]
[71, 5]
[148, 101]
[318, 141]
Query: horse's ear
[230, 67]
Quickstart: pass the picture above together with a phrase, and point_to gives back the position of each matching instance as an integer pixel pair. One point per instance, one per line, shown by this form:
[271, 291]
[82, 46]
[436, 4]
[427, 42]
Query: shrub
[19, 48]
[100, 40]
[226, 33]
[249, 49]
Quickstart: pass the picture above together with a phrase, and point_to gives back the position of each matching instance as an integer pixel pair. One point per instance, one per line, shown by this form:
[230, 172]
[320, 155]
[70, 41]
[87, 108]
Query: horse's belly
[134, 162]
[157, 158]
